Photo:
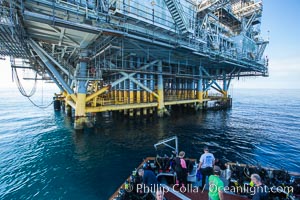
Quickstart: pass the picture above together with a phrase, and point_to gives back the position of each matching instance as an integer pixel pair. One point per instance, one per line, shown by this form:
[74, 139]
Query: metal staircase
[178, 15]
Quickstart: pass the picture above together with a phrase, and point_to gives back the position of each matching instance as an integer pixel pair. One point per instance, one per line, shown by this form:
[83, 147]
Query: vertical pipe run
[80, 115]
[131, 84]
[200, 86]
[117, 89]
[225, 89]
[145, 95]
[186, 89]
[151, 86]
[121, 89]
[126, 88]
[138, 88]
[160, 91]
[192, 91]
[145, 99]
[131, 87]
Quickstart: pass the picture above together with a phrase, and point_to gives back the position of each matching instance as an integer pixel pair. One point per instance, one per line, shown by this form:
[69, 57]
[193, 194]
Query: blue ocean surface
[43, 157]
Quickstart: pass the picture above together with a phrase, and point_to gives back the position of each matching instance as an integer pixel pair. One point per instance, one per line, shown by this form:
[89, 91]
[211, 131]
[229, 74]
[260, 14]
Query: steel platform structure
[138, 56]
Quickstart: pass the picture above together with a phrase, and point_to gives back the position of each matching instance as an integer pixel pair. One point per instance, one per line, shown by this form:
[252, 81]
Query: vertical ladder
[178, 15]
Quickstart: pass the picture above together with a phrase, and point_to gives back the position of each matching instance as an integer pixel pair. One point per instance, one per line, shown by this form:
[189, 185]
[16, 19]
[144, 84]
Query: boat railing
[168, 140]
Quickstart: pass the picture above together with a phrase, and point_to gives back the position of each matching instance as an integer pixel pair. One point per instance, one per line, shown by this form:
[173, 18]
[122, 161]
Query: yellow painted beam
[131, 97]
[120, 107]
[160, 99]
[120, 96]
[138, 100]
[115, 94]
[80, 105]
[151, 97]
[80, 114]
[101, 91]
[71, 103]
[185, 94]
[181, 102]
[145, 96]
[69, 97]
[192, 94]
[73, 96]
[126, 97]
[200, 96]
[94, 102]
[179, 94]
[138, 97]
[225, 94]
[153, 94]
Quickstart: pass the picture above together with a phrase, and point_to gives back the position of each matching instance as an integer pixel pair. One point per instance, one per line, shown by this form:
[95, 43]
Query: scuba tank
[228, 172]
[134, 172]
[126, 185]
[147, 165]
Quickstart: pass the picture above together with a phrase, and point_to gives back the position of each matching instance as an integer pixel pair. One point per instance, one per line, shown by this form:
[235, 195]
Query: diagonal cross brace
[213, 81]
[125, 76]
[139, 83]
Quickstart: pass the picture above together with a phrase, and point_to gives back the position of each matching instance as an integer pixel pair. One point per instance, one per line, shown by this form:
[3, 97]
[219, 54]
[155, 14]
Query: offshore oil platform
[136, 57]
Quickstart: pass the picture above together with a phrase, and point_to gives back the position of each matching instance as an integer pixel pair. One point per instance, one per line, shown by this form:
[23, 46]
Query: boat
[282, 185]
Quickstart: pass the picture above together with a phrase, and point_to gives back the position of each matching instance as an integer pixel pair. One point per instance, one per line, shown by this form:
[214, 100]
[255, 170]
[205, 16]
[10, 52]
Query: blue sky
[280, 19]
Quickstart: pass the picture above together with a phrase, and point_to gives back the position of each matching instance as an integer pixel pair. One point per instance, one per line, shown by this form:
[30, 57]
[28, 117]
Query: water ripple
[43, 158]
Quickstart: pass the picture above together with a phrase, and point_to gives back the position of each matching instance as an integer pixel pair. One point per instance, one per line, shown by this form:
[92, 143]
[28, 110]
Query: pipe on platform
[127, 76]
[52, 59]
[51, 68]
[101, 91]
[140, 84]
[225, 89]
[80, 110]
[52, 77]
[200, 86]
[160, 91]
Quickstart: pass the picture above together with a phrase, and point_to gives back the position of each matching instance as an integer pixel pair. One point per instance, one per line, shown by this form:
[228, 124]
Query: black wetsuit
[180, 172]
[149, 178]
[261, 193]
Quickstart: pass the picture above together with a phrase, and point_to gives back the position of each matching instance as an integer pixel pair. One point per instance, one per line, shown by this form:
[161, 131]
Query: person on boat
[219, 162]
[207, 161]
[261, 191]
[149, 178]
[223, 166]
[216, 185]
[181, 169]
[159, 195]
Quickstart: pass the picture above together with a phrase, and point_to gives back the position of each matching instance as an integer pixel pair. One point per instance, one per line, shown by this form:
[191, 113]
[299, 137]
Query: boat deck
[193, 191]
[202, 196]
[196, 194]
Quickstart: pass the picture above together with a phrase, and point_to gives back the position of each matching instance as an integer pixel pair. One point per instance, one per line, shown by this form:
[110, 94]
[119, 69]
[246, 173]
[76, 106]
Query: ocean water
[42, 157]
